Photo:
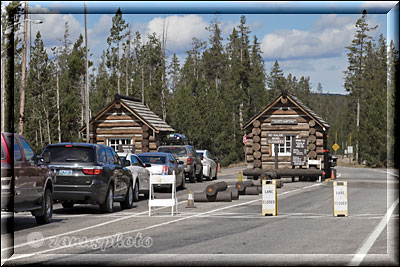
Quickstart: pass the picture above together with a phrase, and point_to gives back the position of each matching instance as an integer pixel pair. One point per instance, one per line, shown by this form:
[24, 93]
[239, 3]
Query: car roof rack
[174, 139]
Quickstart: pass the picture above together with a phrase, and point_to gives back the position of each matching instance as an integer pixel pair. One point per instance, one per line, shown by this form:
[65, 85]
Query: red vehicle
[26, 181]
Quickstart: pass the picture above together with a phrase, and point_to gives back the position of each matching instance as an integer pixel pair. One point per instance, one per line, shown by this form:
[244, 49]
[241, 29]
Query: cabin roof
[139, 110]
[295, 101]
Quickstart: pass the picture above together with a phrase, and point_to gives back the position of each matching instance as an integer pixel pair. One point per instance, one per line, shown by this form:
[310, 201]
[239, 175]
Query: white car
[210, 167]
[140, 173]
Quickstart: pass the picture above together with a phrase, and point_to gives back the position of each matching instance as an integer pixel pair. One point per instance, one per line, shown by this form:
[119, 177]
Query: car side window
[29, 154]
[110, 158]
[134, 161]
[17, 151]
[140, 161]
[171, 159]
[117, 160]
[101, 155]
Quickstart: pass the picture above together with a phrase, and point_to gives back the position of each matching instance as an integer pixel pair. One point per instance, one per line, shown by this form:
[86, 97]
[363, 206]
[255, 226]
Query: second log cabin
[126, 121]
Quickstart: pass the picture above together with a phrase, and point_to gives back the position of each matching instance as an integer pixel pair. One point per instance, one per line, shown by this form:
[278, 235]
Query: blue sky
[307, 38]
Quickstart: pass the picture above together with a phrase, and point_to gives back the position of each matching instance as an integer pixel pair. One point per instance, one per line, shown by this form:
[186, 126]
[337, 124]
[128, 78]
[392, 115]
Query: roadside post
[172, 202]
[276, 139]
[340, 201]
[269, 198]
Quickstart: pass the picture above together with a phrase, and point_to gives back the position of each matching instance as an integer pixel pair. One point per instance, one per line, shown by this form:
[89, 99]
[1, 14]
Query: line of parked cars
[82, 173]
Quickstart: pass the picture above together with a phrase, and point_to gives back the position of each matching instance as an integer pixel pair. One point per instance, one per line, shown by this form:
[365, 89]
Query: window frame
[284, 154]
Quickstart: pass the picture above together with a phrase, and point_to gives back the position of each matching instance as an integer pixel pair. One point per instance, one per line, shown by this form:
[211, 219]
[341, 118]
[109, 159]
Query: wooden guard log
[212, 189]
[241, 186]
[256, 131]
[235, 192]
[202, 197]
[224, 196]
[253, 190]
[256, 124]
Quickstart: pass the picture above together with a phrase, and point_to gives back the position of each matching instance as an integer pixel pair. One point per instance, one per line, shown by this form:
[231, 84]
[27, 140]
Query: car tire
[192, 176]
[129, 198]
[107, 206]
[209, 178]
[136, 192]
[216, 172]
[47, 207]
[182, 186]
[68, 205]
[200, 176]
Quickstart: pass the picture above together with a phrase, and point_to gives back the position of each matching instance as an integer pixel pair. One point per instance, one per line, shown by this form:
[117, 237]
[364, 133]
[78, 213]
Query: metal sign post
[340, 203]
[269, 198]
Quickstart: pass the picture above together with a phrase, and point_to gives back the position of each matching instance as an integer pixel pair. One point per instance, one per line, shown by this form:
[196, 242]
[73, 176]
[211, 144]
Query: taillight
[92, 171]
[164, 170]
[189, 161]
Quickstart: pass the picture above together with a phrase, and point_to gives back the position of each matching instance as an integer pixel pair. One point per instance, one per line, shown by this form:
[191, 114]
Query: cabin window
[286, 148]
[114, 142]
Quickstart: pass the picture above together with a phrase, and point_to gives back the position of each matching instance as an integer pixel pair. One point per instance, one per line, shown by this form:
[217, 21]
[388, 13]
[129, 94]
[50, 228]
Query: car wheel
[182, 186]
[200, 176]
[67, 205]
[216, 171]
[192, 176]
[107, 206]
[47, 207]
[129, 198]
[136, 192]
[209, 177]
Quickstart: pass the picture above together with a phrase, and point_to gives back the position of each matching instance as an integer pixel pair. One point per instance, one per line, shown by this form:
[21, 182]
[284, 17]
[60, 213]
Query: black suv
[89, 174]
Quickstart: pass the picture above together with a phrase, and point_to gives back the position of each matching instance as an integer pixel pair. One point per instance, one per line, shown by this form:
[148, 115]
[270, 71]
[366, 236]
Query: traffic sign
[244, 139]
[269, 198]
[340, 202]
[275, 138]
[335, 147]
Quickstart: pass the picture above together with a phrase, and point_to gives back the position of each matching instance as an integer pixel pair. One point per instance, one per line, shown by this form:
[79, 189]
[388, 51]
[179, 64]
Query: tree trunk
[58, 110]
[142, 85]
[23, 74]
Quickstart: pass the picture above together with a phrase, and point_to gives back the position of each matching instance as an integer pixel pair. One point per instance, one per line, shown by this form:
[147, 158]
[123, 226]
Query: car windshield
[153, 159]
[178, 151]
[69, 154]
[200, 154]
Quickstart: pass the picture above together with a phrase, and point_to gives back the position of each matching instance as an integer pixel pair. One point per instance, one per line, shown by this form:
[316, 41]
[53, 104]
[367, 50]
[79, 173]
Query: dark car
[191, 161]
[89, 174]
[28, 184]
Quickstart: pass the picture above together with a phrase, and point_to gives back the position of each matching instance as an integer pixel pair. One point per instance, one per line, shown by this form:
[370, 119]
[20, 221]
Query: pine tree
[276, 81]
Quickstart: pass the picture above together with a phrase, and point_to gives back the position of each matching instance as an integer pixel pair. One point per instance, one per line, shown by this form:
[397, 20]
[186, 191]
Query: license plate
[65, 172]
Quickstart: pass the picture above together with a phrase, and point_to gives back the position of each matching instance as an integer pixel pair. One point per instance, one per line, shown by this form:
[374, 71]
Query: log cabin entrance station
[126, 121]
[286, 134]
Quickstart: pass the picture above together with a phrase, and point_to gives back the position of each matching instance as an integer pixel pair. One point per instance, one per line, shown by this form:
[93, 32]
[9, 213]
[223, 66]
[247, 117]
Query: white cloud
[180, 30]
[328, 38]
[388, 4]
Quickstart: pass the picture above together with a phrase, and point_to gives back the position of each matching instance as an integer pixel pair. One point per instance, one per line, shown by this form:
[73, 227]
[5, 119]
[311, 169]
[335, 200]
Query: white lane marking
[363, 251]
[80, 230]
[138, 230]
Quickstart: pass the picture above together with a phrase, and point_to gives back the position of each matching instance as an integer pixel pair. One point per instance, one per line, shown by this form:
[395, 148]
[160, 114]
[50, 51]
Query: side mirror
[181, 162]
[127, 163]
[147, 165]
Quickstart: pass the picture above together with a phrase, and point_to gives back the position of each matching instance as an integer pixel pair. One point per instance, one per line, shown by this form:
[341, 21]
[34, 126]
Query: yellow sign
[335, 147]
[269, 198]
[340, 201]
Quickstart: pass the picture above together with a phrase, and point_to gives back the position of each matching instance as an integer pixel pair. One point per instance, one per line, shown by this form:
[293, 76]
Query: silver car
[140, 172]
[210, 167]
[165, 163]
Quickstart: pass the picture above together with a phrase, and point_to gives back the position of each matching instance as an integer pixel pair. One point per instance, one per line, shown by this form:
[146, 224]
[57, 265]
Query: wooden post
[276, 156]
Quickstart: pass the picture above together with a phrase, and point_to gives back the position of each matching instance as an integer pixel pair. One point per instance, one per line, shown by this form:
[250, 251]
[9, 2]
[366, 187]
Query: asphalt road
[221, 233]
